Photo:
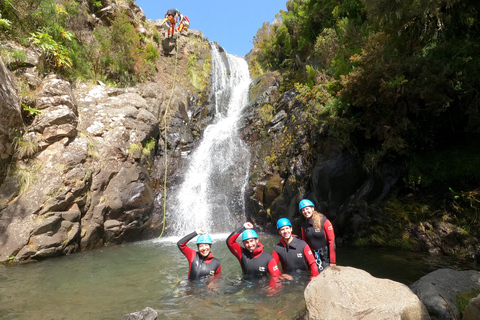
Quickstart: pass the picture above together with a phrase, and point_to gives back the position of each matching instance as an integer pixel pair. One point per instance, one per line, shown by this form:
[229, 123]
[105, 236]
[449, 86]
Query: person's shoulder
[278, 245]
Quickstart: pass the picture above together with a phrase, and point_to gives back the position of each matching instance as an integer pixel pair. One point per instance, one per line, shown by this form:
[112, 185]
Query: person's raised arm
[182, 244]
[232, 244]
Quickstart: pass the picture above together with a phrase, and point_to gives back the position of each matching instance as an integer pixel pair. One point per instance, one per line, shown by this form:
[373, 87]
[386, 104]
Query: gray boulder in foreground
[438, 291]
[350, 293]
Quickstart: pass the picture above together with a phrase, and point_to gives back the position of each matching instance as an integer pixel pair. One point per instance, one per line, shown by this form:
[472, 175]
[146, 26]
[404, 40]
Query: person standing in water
[293, 254]
[255, 262]
[318, 233]
[201, 263]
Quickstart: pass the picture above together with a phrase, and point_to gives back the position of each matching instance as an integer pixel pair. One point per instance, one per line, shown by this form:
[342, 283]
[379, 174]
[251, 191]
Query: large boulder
[438, 291]
[349, 293]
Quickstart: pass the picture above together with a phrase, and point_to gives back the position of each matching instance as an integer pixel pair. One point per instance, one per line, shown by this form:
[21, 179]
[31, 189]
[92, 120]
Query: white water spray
[212, 194]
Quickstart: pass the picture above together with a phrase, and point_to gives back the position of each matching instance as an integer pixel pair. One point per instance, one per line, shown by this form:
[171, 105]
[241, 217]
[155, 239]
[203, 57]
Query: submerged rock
[146, 314]
[349, 293]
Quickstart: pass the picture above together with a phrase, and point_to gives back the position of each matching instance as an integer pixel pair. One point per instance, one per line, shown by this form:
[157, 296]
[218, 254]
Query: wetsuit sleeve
[310, 260]
[330, 236]
[304, 238]
[232, 244]
[273, 268]
[182, 245]
[275, 256]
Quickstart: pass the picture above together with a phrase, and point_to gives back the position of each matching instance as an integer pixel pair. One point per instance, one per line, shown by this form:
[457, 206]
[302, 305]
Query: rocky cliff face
[82, 171]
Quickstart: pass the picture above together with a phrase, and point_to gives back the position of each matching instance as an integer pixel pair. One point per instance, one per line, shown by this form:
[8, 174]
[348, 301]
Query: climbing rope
[165, 144]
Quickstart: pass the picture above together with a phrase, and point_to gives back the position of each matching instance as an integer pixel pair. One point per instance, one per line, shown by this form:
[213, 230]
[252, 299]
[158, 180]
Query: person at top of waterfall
[170, 18]
[292, 253]
[183, 22]
[255, 262]
[201, 263]
[318, 233]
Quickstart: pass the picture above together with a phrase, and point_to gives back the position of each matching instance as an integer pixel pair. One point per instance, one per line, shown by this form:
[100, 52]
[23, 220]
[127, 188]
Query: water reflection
[111, 282]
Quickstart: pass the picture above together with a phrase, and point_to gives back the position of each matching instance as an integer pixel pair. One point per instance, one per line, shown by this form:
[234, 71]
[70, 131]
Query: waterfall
[212, 194]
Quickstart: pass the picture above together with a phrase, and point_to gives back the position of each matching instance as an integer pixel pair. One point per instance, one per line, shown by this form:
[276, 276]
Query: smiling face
[204, 249]
[250, 244]
[285, 232]
[308, 212]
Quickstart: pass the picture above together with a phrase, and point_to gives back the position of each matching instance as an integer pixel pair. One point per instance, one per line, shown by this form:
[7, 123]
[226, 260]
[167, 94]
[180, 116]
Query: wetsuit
[322, 241]
[295, 256]
[256, 263]
[199, 266]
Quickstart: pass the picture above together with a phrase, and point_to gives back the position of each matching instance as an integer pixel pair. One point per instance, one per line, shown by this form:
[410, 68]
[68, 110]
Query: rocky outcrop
[349, 293]
[288, 164]
[86, 182]
[12, 122]
[438, 291]
[84, 170]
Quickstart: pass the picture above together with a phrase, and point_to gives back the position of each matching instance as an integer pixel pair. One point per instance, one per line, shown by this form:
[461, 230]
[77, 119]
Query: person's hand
[248, 225]
[284, 277]
[201, 231]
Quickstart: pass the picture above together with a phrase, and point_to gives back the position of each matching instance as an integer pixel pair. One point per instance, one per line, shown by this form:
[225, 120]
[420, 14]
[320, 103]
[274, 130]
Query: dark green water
[111, 282]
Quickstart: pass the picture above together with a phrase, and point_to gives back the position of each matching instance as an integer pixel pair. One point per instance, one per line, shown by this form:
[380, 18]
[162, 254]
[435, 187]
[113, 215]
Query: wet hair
[317, 219]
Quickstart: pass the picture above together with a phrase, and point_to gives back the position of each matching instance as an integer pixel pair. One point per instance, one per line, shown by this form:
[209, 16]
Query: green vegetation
[399, 78]
[462, 300]
[25, 145]
[116, 54]
[394, 83]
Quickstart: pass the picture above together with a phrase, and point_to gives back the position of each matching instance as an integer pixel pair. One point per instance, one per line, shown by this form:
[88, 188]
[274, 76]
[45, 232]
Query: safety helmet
[249, 234]
[305, 203]
[204, 238]
[283, 222]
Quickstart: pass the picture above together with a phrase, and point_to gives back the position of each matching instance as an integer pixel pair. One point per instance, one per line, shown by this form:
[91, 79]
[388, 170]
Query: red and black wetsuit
[199, 266]
[321, 241]
[256, 263]
[295, 256]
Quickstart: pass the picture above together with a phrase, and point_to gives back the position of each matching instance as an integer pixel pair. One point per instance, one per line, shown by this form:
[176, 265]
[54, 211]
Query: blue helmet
[204, 238]
[283, 222]
[249, 234]
[305, 203]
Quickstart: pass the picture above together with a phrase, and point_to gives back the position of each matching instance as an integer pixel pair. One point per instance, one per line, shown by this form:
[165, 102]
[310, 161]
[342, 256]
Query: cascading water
[211, 195]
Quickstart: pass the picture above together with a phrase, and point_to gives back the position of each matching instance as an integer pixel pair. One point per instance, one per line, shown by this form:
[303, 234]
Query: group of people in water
[313, 253]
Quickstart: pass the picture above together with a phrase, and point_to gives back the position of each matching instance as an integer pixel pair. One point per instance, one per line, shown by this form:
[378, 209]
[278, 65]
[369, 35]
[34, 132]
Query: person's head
[250, 239]
[284, 228]
[204, 244]
[307, 208]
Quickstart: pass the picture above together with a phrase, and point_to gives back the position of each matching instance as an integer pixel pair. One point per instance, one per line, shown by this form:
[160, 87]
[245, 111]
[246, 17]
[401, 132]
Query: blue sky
[232, 24]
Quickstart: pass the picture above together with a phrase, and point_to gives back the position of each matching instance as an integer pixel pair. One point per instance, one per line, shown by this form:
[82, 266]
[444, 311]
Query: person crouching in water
[201, 263]
[294, 254]
[254, 261]
[318, 233]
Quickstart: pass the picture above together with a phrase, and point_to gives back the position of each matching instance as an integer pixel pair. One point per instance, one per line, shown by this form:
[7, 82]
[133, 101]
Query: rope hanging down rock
[165, 144]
